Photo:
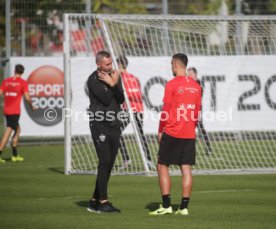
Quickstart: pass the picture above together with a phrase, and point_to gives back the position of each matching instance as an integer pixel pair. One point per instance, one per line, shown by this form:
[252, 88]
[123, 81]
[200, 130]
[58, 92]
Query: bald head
[104, 61]
[102, 54]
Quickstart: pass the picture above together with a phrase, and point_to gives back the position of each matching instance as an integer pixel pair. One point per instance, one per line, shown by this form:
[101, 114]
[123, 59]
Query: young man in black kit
[106, 95]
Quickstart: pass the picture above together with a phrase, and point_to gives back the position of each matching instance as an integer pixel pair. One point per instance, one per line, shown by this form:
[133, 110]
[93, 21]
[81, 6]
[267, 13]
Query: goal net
[235, 60]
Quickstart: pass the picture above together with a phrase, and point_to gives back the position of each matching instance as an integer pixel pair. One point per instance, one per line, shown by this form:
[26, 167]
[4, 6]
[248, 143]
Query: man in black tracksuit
[106, 95]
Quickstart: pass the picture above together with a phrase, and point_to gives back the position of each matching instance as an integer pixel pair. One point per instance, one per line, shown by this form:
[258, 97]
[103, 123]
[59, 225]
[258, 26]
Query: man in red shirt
[13, 88]
[182, 104]
[134, 94]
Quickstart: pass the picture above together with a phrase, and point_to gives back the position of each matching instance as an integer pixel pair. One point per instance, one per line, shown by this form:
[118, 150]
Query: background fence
[36, 26]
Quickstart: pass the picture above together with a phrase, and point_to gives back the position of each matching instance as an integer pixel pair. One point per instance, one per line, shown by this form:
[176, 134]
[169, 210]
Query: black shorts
[12, 121]
[176, 151]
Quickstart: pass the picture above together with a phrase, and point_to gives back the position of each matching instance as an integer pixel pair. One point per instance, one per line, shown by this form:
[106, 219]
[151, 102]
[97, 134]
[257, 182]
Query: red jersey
[133, 90]
[184, 96]
[13, 88]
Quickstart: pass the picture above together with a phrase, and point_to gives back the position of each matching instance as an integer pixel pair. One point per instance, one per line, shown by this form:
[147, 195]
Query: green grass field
[36, 194]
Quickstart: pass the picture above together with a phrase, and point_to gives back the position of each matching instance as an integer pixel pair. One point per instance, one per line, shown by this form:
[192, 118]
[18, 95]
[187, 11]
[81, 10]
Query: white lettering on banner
[243, 87]
[48, 102]
[46, 89]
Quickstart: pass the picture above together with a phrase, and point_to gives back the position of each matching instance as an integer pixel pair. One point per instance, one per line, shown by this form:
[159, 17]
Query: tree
[118, 6]
[259, 7]
[198, 7]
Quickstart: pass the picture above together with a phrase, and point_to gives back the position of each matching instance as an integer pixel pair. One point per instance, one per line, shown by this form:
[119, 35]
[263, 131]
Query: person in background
[13, 89]
[192, 72]
[133, 91]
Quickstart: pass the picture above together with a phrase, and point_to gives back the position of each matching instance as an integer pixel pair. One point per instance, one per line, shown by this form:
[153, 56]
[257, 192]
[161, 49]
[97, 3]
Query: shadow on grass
[82, 203]
[59, 170]
[7, 159]
[155, 205]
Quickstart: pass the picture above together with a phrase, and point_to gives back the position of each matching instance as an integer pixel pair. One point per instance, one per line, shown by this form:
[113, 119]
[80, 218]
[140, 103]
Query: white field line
[66, 197]
[209, 191]
[227, 190]
[63, 198]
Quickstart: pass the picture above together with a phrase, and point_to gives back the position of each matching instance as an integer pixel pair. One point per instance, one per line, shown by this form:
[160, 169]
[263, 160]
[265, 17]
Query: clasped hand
[111, 80]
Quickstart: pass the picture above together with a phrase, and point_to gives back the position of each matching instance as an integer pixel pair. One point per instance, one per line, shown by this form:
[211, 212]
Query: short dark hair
[122, 60]
[192, 69]
[102, 54]
[19, 69]
[181, 57]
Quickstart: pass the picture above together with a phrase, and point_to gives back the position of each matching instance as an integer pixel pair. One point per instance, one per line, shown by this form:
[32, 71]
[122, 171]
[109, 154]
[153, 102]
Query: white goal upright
[235, 59]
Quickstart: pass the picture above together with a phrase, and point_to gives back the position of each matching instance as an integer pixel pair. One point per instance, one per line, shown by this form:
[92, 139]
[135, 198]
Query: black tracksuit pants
[106, 141]
[204, 134]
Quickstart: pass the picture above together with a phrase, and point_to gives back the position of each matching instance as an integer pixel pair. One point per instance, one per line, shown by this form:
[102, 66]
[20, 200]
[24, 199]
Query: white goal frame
[109, 44]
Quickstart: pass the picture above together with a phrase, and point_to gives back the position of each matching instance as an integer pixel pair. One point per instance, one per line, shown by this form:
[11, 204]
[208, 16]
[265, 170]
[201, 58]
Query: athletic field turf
[36, 194]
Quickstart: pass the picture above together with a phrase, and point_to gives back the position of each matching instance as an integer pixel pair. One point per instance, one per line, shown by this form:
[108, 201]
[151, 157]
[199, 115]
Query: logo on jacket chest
[102, 137]
[105, 88]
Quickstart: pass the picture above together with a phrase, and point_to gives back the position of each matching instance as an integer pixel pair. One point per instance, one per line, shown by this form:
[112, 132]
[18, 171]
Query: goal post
[67, 97]
[234, 57]
[134, 124]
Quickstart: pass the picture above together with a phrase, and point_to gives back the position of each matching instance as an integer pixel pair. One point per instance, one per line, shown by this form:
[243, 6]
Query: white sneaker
[2, 160]
[17, 158]
[162, 211]
[182, 212]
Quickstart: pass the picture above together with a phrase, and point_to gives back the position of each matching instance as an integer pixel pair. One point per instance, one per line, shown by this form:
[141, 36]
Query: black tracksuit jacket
[104, 101]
